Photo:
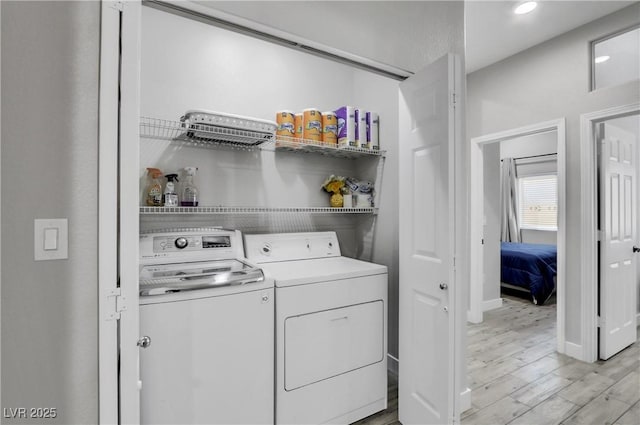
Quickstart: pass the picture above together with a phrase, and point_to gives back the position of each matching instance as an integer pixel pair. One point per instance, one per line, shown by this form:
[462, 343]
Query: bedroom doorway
[525, 143]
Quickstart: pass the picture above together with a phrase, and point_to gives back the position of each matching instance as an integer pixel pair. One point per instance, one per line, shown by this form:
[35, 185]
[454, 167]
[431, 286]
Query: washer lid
[178, 277]
[302, 272]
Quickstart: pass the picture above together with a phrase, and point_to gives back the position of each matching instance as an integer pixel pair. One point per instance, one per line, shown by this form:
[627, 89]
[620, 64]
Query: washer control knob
[266, 249]
[181, 243]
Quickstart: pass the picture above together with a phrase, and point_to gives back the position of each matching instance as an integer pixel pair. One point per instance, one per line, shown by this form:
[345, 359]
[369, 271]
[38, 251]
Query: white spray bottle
[189, 189]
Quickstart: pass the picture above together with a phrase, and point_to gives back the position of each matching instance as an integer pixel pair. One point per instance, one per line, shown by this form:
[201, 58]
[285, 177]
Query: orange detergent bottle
[154, 188]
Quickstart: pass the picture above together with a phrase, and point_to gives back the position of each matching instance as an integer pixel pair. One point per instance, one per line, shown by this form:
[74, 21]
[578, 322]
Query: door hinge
[599, 235]
[600, 322]
[117, 5]
[116, 304]
[454, 99]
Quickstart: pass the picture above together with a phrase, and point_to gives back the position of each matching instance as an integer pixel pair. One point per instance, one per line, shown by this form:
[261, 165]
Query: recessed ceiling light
[525, 7]
[601, 59]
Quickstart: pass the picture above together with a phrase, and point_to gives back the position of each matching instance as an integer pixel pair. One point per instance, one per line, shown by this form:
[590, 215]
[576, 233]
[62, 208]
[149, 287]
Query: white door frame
[476, 213]
[129, 196]
[588, 233]
[118, 213]
[108, 213]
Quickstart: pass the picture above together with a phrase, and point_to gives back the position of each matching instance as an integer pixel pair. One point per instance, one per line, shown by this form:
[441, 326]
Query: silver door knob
[443, 286]
[636, 249]
[144, 342]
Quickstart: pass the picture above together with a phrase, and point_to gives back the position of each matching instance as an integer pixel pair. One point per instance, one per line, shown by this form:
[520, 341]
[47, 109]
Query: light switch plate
[42, 227]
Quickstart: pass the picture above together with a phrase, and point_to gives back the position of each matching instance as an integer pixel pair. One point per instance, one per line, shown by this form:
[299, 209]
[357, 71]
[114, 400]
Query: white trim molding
[589, 216]
[465, 400]
[476, 208]
[491, 304]
[392, 364]
[476, 227]
[129, 200]
[573, 350]
[108, 213]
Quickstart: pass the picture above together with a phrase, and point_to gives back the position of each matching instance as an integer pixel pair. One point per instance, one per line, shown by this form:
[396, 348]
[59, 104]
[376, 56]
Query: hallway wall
[547, 82]
[50, 63]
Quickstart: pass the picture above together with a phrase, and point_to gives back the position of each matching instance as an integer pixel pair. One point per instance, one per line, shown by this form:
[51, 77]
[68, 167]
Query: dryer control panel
[291, 246]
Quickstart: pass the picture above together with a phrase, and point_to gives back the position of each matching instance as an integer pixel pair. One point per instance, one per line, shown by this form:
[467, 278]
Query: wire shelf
[203, 135]
[292, 144]
[255, 210]
[212, 136]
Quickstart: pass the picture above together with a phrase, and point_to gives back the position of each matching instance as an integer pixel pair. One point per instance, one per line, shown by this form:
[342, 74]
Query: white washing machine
[331, 328]
[209, 317]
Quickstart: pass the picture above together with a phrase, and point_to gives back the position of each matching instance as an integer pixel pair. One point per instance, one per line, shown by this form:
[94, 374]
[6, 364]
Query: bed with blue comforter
[530, 266]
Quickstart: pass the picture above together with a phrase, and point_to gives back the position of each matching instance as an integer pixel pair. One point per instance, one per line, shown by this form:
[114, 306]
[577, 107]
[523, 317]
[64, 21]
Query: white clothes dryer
[331, 328]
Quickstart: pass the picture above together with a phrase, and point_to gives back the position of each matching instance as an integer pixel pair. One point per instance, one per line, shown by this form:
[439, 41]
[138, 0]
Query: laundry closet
[259, 189]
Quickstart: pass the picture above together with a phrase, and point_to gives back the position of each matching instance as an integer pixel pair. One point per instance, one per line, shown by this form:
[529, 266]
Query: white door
[618, 226]
[427, 123]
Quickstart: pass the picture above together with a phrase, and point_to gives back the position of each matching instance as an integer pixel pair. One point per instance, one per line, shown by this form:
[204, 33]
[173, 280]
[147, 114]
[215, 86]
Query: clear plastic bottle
[189, 189]
[170, 196]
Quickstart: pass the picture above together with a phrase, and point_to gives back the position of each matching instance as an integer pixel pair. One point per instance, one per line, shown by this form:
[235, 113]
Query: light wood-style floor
[517, 377]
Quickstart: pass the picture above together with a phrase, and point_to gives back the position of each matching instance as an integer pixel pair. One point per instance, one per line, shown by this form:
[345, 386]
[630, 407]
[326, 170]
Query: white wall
[405, 34]
[50, 63]
[547, 82]
[547, 237]
[492, 219]
[531, 145]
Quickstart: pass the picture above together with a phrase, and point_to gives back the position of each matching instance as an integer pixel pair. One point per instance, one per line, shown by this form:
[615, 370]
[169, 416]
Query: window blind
[538, 202]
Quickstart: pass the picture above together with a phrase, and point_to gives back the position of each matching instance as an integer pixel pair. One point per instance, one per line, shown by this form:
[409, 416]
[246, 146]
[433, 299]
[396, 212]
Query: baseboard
[465, 400]
[491, 304]
[392, 364]
[472, 318]
[573, 350]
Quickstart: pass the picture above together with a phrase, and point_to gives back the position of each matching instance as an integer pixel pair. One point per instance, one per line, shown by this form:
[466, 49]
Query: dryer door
[328, 343]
